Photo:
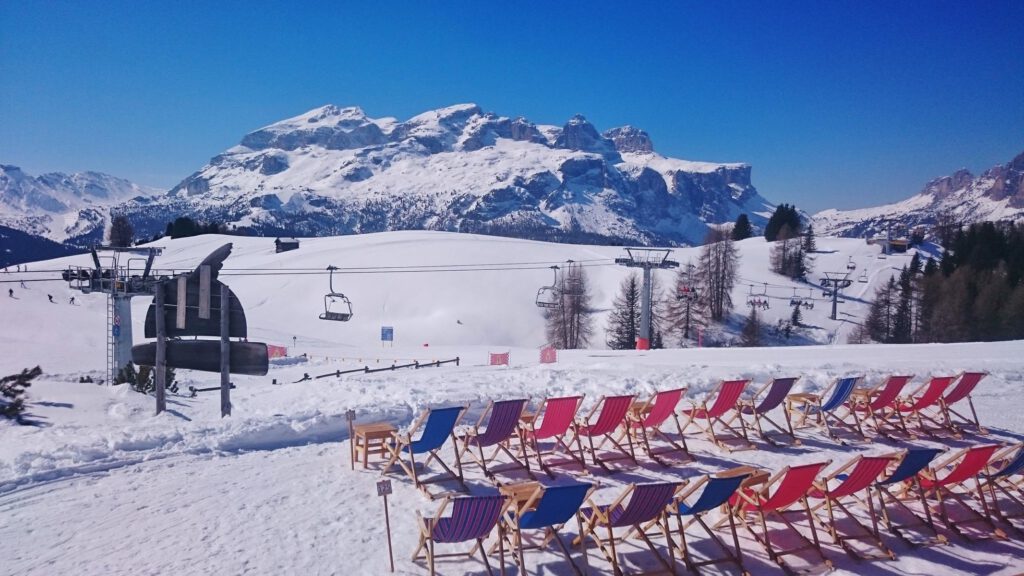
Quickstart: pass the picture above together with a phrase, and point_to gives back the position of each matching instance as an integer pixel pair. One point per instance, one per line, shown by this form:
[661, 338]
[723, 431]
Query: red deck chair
[928, 397]
[613, 410]
[964, 387]
[727, 395]
[502, 425]
[852, 482]
[768, 398]
[878, 404]
[963, 466]
[556, 416]
[646, 421]
[794, 483]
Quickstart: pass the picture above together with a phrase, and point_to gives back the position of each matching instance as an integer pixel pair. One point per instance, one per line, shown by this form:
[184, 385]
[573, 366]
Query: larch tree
[717, 266]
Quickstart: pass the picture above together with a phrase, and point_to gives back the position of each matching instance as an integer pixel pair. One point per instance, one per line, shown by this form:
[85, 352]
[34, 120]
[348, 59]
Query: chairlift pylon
[337, 306]
[547, 296]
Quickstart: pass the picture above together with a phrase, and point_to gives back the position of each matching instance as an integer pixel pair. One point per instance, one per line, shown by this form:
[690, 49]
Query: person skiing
[10, 292]
[50, 296]
[72, 301]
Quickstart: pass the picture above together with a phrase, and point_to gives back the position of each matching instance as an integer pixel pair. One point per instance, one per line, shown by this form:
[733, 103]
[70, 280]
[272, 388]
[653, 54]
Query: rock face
[996, 195]
[335, 170]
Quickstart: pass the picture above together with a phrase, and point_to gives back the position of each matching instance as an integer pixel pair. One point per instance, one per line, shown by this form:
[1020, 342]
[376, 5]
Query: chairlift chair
[337, 306]
[863, 277]
[547, 296]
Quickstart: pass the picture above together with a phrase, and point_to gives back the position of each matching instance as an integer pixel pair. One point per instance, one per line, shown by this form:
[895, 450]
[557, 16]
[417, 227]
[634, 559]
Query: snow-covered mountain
[71, 208]
[335, 170]
[998, 194]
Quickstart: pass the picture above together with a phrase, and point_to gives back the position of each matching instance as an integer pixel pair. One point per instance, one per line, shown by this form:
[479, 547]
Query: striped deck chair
[810, 410]
[902, 490]
[963, 466]
[727, 395]
[964, 387]
[502, 425]
[556, 416]
[646, 420]
[878, 404]
[1005, 481]
[548, 509]
[611, 414]
[768, 398]
[472, 519]
[647, 502]
[438, 425]
[852, 482]
[928, 397]
[717, 492]
[791, 485]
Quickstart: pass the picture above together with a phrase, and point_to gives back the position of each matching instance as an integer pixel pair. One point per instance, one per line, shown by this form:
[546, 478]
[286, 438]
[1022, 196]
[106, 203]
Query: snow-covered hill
[336, 171]
[70, 208]
[996, 195]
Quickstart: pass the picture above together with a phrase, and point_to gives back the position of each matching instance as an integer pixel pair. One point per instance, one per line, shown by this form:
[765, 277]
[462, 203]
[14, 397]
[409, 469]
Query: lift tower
[648, 259]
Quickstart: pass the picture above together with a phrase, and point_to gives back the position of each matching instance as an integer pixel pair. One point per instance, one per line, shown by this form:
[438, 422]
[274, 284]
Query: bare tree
[684, 308]
[717, 266]
[570, 325]
[121, 232]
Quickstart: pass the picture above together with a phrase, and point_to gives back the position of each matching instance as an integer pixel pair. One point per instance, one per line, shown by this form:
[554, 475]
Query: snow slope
[102, 486]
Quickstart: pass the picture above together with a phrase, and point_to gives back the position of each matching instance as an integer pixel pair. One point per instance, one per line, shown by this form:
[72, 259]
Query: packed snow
[101, 485]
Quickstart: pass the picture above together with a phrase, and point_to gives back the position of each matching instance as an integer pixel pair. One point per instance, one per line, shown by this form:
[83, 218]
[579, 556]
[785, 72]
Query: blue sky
[835, 104]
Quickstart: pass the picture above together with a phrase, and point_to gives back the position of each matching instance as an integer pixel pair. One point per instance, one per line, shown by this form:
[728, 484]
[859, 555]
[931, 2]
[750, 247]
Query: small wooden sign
[384, 487]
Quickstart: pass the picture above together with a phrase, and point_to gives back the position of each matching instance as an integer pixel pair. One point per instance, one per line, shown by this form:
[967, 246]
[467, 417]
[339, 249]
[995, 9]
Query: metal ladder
[111, 341]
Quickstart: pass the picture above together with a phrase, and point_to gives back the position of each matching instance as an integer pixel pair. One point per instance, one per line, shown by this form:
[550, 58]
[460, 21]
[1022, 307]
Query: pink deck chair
[727, 396]
[878, 404]
[964, 387]
[612, 416]
[646, 421]
[792, 485]
[768, 398]
[557, 416]
[929, 397]
[852, 482]
[963, 466]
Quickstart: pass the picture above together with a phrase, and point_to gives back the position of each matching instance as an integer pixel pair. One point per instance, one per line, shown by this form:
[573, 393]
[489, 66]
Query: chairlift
[850, 264]
[547, 296]
[863, 277]
[337, 306]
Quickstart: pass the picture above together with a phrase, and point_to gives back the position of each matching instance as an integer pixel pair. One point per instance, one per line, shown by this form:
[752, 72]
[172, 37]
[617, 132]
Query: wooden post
[204, 291]
[383, 489]
[225, 352]
[350, 415]
[161, 351]
[182, 304]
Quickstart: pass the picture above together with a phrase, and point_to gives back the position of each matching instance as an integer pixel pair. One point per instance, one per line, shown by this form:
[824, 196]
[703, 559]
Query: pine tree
[902, 326]
[121, 232]
[810, 246]
[796, 318]
[742, 229]
[751, 334]
[880, 317]
[624, 319]
[12, 391]
[784, 215]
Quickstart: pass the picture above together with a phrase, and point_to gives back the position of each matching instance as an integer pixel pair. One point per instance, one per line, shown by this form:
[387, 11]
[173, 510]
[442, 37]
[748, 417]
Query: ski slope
[103, 486]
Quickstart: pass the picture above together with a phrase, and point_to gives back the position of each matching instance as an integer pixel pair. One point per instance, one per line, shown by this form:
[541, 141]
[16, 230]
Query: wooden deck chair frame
[749, 500]
[916, 406]
[466, 445]
[529, 440]
[1007, 486]
[580, 425]
[518, 543]
[947, 404]
[691, 416]
[426, 544]
[902, 495]
[403, 440]
[833, 505]
[806, 410]
[749, 407]
[599, 519]
[642, 433]
[962, 494]
[880, 415]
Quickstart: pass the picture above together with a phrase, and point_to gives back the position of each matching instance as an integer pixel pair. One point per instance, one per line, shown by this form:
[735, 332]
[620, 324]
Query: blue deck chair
[549, 509]
[807, 409]
[1008, 481]
[438, 425]
[472, 519]
[502, 425]
[902, 487]
[717, 492]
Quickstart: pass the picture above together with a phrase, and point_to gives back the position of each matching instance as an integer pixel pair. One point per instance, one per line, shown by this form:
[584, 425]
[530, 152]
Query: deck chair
[727, 395]
[902, 489]
[1004, 479]
[647, 502]
[717, 492]
[852, 482]
[768, 398]
[438, 424]
[964, 387]
[472, 519]
[645, 422]
[502, 424]
[878, 404]
[811, 410]
[791, 485]
[557, 416]
[963, 466]
[548, 509]
[611, 415]
[925, 398]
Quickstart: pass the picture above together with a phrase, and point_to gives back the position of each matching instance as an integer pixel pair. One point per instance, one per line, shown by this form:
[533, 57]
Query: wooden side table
[371, 439]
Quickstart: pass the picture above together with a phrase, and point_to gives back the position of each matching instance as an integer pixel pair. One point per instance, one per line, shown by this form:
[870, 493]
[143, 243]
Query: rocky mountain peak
[580, 134]
[630, 139]
[944, 186]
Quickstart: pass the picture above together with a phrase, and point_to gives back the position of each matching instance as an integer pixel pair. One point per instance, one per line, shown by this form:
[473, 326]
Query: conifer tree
[12, 391]
[742, 229]
[624, 319]
[751, 334]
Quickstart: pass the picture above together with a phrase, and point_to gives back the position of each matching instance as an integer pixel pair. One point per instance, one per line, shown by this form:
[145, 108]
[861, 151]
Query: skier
[72, 301]
[10, 292]
[23, 284]
[50, 296]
